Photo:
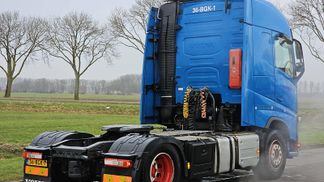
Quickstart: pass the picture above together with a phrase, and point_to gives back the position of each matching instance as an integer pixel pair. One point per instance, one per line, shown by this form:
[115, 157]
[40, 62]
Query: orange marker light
[258, 152]
[235, 69]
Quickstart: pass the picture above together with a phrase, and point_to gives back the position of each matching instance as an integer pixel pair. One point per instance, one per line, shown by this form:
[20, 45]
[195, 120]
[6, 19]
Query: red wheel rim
[162, 168]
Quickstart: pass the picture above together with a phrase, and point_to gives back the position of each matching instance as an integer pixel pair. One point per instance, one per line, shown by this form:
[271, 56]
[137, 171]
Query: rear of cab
[209, 37]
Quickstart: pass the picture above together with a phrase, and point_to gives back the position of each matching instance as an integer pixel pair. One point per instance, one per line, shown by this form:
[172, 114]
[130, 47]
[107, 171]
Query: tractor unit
[219, 77]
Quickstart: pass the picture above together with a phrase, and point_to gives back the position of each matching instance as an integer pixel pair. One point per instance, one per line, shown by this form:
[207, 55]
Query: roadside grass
[22, 127]
[311, 109]
[69, 107]
[26, 115]
[311, 127]
[311, 137]
[11, 169]
[17, 129]
[69, 97]
[10, 150]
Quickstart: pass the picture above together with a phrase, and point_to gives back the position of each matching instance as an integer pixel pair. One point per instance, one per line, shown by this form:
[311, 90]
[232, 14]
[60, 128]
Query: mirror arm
[286, 39]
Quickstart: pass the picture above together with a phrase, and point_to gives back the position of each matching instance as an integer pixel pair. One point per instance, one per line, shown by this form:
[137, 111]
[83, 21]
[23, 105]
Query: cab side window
[284, 58]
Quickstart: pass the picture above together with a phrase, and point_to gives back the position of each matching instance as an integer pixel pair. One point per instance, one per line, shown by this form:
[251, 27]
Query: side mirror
[299, 67]
[299, 50]
[299, 59]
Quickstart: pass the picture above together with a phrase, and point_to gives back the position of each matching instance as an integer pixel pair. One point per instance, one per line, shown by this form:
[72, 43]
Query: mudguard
[43, 144]
[51, 138]
[137, 148]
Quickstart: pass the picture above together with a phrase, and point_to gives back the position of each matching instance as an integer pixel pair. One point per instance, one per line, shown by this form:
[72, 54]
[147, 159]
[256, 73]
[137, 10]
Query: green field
[311, 109]
[19, 128]
[17, 95]
[26, 115]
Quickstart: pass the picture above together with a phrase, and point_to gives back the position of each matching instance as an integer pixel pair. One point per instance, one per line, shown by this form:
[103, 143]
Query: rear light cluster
[121, 163]
[32, 155]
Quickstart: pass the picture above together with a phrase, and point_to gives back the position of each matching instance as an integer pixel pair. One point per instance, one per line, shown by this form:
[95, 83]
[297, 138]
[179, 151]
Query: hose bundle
[203, 103]
[186, 103]
[195, 107]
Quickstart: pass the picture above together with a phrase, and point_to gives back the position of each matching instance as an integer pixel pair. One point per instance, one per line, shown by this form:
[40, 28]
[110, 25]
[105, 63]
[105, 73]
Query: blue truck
[221, 76]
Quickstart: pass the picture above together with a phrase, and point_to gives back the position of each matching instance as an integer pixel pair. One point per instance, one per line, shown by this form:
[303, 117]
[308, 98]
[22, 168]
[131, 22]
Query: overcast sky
[129, 61]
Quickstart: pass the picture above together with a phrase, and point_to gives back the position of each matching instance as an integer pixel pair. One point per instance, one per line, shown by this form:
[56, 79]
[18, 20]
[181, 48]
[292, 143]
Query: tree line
[76, 39]
[125, 85]
[310, 87]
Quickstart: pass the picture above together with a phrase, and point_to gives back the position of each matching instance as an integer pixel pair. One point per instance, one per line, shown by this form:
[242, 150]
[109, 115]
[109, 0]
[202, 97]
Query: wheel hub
[162, 168]
[275, 154]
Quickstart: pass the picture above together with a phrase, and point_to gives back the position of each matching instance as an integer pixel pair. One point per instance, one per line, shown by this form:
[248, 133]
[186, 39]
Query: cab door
[285, 85]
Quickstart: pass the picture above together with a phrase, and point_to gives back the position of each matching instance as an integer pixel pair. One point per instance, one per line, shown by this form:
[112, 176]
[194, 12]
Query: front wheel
[162, 165]
[273, 156]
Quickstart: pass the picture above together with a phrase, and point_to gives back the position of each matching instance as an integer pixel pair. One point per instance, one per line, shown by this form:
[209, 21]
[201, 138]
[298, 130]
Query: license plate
[116, 178]
[38, 171]
[35, 162]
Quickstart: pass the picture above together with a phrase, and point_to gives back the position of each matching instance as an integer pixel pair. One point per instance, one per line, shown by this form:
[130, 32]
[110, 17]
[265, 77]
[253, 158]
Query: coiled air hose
[195, 107]
[186, 103]
[203, 103]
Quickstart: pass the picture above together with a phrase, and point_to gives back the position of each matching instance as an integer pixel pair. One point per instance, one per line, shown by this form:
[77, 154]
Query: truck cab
[243, 52]
[218, 95]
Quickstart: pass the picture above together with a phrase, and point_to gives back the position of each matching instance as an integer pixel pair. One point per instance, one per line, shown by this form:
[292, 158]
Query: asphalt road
[307, 167]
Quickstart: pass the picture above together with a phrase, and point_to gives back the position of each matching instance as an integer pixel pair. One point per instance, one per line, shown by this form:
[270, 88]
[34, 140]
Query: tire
[163, 164]
[273, 156]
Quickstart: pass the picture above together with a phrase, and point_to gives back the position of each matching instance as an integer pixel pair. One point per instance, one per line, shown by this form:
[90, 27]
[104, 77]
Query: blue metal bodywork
[150, 77]
[267, 92]
[208, 32]
[203, 48]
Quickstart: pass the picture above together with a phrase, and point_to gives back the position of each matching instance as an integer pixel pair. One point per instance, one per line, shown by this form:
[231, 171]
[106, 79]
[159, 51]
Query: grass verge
[69, 107]
[11, 169]
[311, 137]
[22, 127]
[64, 97]
[17, 129]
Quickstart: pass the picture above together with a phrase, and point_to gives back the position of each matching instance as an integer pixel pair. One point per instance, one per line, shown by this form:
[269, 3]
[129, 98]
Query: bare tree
[308, 22]
[79, 41]
[20, 39]
[129, 26]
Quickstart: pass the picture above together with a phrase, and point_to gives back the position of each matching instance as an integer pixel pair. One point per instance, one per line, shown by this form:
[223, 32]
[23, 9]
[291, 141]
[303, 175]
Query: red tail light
[235, 69]
[121, 163]
[32, 155]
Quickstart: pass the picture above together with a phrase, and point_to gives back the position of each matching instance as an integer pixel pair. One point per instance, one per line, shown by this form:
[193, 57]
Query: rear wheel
[162, 165]
[273, 156]
[162, 168]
